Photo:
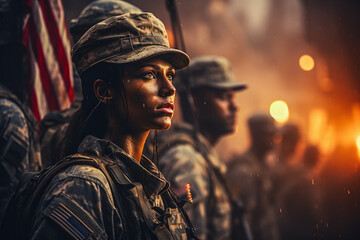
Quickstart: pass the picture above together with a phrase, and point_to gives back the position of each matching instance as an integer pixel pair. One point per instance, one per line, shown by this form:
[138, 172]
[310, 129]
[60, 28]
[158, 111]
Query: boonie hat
[212, 72]
[125, 39]
[98, 11]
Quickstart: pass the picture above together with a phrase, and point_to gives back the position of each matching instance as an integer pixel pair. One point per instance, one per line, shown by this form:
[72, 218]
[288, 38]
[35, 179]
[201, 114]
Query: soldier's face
[150, 95]
[217, 110]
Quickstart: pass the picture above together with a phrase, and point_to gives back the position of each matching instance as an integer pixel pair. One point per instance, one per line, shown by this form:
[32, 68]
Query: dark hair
[91, 118]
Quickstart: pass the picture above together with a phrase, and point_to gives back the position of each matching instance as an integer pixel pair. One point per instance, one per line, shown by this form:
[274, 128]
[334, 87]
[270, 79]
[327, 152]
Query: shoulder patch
[73, 219]
[89, 173]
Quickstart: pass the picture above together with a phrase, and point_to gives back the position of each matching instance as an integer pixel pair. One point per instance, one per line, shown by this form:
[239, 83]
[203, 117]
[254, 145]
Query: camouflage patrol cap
[96, 12]
[212, 72]
[125, 39]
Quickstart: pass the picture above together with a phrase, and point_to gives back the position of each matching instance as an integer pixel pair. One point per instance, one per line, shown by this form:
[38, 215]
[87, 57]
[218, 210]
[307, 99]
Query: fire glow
[358, 145]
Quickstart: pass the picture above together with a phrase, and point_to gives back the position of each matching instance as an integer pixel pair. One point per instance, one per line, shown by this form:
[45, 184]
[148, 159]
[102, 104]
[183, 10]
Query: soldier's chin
[163, 125]
[231, 130]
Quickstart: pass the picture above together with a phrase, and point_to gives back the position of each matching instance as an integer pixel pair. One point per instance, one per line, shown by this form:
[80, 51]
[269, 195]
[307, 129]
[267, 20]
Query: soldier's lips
[233, 119]
[166, 108]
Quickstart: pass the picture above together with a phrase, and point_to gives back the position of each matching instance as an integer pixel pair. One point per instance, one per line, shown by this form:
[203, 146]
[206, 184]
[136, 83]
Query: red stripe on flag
[44, 73]
[56, 41]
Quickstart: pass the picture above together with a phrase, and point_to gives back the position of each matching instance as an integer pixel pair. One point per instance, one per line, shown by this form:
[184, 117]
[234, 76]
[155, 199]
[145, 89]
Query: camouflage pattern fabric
[52, 133]
[79, 204]
[126, 38]
[98, 11]
[182, 163]
[19, 149]
[250, 181]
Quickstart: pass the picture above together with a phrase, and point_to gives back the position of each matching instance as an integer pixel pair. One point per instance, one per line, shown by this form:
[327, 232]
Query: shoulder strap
[44, 178]
[108, 168]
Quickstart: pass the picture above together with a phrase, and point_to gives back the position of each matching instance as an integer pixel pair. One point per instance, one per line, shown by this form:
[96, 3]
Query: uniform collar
[144, 172]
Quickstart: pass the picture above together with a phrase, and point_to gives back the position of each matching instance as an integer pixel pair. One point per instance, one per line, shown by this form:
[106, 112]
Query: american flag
[48, 47]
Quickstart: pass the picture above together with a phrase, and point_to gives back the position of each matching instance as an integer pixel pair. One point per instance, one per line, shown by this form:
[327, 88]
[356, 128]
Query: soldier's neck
[212, 139]
[131, 143]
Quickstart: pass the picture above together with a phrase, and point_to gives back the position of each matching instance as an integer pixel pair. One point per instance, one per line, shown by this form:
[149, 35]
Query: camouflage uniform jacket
[52, 134]
[250, 181]
[19, 149]
[78, 204]
[184, 163]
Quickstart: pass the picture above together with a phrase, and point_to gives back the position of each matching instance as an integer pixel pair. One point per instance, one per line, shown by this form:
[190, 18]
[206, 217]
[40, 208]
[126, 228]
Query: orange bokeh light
[279, 111]
[306, 62]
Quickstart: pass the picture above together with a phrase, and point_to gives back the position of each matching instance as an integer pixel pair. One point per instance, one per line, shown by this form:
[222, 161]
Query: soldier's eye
[149, 76]
[170, 76]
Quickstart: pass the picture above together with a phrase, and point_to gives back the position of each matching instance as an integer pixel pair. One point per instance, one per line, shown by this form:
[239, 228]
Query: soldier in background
[290, 135]
[287, 165]
[187, 154]
[299, 199]
[294, 188]
[54, 125]
[250, 180]
[19, 148]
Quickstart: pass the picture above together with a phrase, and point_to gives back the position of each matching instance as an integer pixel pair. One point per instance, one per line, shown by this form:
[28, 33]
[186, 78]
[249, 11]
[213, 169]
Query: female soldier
[127, 68]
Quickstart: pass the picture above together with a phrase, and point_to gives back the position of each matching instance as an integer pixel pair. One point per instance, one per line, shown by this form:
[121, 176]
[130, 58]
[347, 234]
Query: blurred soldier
[187, 154]
[297, 195]
[19, 149]
[290, 135]
[249, 177]
[54, 125]
[286, 167]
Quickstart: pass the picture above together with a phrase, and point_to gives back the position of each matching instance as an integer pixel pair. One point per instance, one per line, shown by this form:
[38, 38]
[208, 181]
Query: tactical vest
[128, 196]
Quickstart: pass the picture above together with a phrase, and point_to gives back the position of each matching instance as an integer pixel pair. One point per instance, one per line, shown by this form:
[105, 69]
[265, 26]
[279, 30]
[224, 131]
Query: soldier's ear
[102, 91]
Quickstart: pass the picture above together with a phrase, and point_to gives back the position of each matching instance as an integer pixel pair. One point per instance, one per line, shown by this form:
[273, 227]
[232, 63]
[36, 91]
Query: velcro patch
[73, 219]
[66, 219]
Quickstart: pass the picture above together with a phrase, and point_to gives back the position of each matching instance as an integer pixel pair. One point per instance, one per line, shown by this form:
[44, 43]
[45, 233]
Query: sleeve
[77, 208]
[182, 165]
[14, 149]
